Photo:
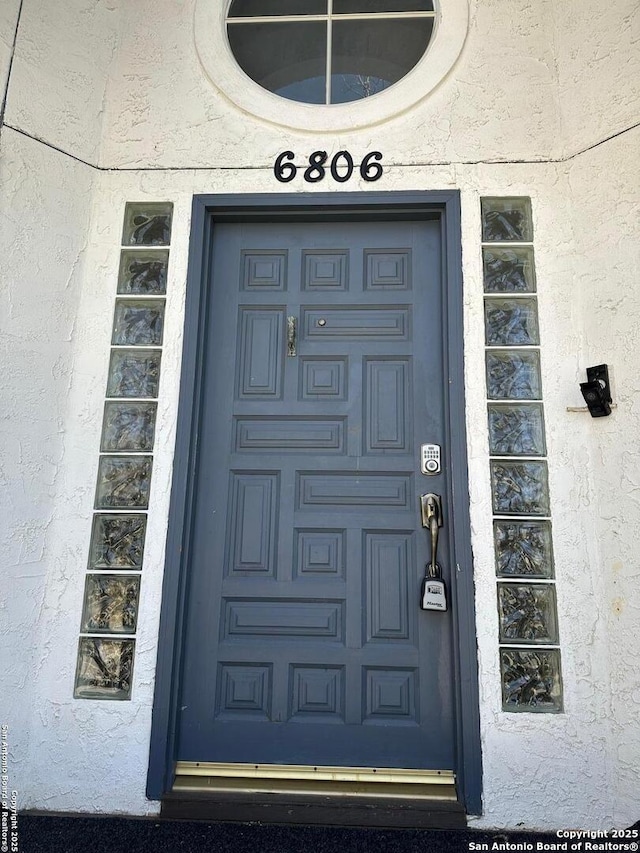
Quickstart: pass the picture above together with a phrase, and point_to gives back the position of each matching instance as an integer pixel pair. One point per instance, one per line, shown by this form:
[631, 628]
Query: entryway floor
[75, 834]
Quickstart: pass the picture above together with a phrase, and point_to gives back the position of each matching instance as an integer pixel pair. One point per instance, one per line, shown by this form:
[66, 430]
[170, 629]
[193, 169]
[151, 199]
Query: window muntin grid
[329, 51]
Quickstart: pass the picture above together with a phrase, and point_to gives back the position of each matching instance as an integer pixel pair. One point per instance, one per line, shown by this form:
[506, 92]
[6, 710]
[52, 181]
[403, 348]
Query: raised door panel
[259, 359]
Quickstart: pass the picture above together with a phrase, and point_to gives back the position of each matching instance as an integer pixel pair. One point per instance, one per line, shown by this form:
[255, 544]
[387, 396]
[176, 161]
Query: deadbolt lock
[430, 459]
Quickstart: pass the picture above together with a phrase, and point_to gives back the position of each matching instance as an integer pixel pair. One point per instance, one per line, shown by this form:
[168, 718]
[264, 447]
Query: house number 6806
[341, 167]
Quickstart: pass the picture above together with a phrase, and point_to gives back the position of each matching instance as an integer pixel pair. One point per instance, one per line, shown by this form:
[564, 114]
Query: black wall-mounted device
[596, 391]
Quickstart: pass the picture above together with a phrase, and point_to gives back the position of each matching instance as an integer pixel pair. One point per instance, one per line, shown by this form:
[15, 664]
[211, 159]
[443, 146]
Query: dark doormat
[58, 834]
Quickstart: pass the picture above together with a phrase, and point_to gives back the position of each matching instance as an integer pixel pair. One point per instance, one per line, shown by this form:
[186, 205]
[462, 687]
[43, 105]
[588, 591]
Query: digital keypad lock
[430, 459]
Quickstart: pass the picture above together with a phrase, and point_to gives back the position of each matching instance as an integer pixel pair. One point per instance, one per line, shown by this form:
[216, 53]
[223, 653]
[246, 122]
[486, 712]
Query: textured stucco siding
[508, 119]
[44, 213]
[164, 111]
[605, 187]
[598, 47]
[60, 71]
[9, 11]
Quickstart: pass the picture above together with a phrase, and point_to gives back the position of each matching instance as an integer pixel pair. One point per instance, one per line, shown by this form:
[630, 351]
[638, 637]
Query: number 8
[316, 171]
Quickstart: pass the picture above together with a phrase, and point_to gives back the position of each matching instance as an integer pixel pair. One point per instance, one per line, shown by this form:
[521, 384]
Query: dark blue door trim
[206, 213]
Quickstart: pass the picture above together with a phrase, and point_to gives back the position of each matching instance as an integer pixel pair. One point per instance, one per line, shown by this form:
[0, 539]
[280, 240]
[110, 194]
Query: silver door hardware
[291, 336]
[430, 459]
[433, 594]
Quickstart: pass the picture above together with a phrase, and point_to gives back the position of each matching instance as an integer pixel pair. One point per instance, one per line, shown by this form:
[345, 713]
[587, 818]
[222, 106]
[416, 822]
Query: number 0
[348, 160]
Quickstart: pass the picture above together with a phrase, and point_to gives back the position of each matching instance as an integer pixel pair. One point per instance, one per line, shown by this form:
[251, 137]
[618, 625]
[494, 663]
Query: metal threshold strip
[206, 776]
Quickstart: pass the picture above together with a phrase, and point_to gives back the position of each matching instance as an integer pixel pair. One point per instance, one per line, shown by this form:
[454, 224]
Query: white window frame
[214, 51]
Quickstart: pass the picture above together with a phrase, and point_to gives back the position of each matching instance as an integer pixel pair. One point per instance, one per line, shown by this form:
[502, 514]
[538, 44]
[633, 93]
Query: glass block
[531, 680]
[519, 488]
[105, 668]
[110, 604]
[511, 322]
[509, 270]
[123, 482]
[134, 373]
[147, 224]
[128, 427]
[507, 219]
[516, 429]
[143, 272]
[527, 613]
[523, 549]
[513, 375]
[138, 322]
[117, 541]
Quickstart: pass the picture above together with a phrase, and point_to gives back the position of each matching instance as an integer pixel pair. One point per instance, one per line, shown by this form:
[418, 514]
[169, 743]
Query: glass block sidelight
[516, 429]
[507, 220]
[105, 668]
[110, 604]
[111, 596]
[143, 272]
[513, 375]
[128, 427]
[523, 549]
[508, 270]
[531, 679]
[511, 322]
[147, 224]
[527, 613]
[117, 541]
[519, 488]
[138, 322]
[134, 373]
[123, 482]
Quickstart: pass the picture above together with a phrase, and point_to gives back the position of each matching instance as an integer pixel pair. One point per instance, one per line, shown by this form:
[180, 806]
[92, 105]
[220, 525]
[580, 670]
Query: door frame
[207, 211]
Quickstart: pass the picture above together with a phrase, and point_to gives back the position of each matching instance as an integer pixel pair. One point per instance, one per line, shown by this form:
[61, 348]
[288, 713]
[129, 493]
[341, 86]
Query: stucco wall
[59, 73]
[44, 214]
[606, 268]
[598, 50]
[8, 19]
[160, 111]
[55, 93]
[528, 759]
[497, 105]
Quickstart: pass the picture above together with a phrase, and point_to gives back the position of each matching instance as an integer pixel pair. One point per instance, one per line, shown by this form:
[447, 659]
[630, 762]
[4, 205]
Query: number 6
[285, 171]
[371, 171]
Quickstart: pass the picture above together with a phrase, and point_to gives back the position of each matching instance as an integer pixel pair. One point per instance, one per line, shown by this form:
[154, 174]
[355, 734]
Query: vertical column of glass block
[527, 614]
[112, 583]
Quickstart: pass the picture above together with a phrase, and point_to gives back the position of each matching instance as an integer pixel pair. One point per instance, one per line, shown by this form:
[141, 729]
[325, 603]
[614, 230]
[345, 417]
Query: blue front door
[323, 375]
